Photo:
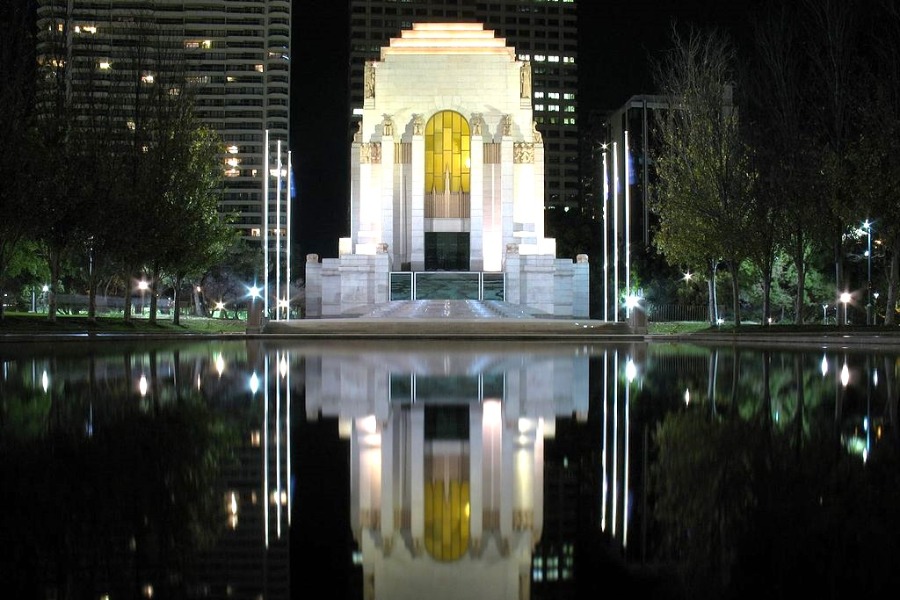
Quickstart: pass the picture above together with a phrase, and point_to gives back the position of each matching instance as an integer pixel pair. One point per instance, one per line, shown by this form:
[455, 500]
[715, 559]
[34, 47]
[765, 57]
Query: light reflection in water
[452, 447]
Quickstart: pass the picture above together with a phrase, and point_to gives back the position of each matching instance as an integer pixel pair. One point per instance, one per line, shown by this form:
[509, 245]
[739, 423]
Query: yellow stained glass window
[447, 148]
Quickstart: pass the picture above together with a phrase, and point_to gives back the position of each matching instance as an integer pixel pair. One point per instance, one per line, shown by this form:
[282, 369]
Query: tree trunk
[54, 278]
[153, 295]
[767, 294]
[126, 310]
[713, 301]
[198, 301]
[800, 265]
[92, 290]
[176, 319]
[736, 291]
[893, 281]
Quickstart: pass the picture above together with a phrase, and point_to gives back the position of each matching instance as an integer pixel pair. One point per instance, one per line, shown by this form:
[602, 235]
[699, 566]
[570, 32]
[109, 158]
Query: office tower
[235, 57]
[542, 32]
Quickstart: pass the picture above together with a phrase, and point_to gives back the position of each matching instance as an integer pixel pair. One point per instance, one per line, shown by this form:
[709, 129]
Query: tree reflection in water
[677, 471]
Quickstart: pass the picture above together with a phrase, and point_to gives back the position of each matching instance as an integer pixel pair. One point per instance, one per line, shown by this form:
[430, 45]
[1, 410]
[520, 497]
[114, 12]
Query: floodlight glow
[630, 370]
[142, 385]
[845, 375]
[254, 383]
[632, 301]
[254, 291]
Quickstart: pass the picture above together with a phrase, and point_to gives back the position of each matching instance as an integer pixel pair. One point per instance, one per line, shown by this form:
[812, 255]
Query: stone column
[313, 308]
[581, 286]
[386, 218]
[416, 233]
[476, 204]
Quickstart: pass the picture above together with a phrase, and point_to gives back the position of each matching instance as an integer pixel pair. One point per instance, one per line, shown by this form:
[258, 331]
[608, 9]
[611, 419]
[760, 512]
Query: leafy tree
[832, 35]
[16, 89]
[703, 201]
[875, 155]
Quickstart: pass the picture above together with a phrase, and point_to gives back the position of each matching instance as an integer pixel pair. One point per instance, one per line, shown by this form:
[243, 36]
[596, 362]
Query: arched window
[447, 153]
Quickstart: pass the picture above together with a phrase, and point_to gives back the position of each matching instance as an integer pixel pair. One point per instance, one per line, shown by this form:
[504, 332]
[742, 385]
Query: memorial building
[447, 184]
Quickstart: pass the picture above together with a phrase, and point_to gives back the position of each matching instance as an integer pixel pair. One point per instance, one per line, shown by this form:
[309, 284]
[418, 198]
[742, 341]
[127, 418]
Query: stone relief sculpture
[370, 153]
[387, 126]
[418, 125]
[523, 152]
[507, 124]
[477, 123]
[525, 80]
[357, 136]
[535, 134]
[370, 79]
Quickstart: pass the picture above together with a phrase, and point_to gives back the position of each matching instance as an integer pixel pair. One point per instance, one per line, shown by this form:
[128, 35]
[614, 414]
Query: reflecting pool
[446, 469]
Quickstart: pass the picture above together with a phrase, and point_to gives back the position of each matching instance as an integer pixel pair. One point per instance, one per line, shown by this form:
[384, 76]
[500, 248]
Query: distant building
[543, 33]
[621, 188]
[447, 172]
[235, 55]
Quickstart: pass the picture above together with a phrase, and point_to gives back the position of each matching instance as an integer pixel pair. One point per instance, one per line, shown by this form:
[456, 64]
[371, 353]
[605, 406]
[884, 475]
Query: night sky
[617, 40]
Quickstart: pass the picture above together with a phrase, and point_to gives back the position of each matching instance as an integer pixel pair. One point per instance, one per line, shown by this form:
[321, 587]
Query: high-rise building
[235, 56]
[542, 32]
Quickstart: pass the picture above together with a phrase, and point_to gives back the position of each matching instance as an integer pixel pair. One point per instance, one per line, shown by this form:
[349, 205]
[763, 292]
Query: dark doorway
[447, 251]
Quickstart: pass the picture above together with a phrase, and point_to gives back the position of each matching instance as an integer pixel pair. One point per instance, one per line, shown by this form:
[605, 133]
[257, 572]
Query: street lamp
[142, 286]
[869, 314]
[824, 314]
[845, 298]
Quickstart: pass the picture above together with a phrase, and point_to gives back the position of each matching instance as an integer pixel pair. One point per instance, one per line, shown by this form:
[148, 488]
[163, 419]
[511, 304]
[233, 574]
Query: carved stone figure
[507, 124]
[388, 126]
[477, 123]
[525, 80]
[357, 136]
[370, 153]
[370, 79]
[523, 153]
[418, 125]
[535, 134]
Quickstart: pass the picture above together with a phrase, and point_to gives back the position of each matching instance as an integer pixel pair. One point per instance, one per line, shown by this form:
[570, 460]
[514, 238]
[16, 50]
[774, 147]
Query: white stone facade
[488, 191]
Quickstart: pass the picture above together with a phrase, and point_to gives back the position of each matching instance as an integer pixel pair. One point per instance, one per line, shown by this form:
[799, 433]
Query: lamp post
[869, 314]
[824, 314]
[845, 298]
[142, 286]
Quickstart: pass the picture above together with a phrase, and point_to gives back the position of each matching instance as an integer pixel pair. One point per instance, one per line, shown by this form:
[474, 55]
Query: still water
[478, 470]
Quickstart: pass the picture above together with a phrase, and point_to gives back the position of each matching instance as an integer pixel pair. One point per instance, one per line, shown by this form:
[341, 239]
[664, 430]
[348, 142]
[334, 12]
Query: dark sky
[617, 41]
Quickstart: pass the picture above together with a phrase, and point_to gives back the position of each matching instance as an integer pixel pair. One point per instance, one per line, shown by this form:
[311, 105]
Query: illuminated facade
[447, 175]
[234, 56]
[543, 32]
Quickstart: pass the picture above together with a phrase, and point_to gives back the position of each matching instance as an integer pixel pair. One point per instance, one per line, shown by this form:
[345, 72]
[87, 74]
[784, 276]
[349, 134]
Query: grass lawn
[25, 323]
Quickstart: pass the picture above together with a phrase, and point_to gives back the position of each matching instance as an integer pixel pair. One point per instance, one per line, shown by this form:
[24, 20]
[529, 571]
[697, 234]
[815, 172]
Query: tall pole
[615, 232]
[627, 228]
[870, 317]
[605, 237]
[265, 226]
[278, 234]
[287, 266]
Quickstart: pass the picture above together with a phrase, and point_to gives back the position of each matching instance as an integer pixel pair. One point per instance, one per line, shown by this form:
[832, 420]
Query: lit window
[539, 58]
[553, 108]
[569, 96]
[233, 149]
[259, 68]
[539, 94]
[147, 78]
[553, 58]
[538, 107]
[554, 95]
[105, 65]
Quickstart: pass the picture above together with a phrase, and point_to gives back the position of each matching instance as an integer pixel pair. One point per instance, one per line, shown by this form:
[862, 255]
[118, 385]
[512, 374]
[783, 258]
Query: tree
[875, 155]
[16, 89]
[832, 36]
[704, 198]
[783, 154]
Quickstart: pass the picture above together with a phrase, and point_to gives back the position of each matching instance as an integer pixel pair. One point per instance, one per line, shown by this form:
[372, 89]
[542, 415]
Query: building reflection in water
[447, 456]
[473, 468]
